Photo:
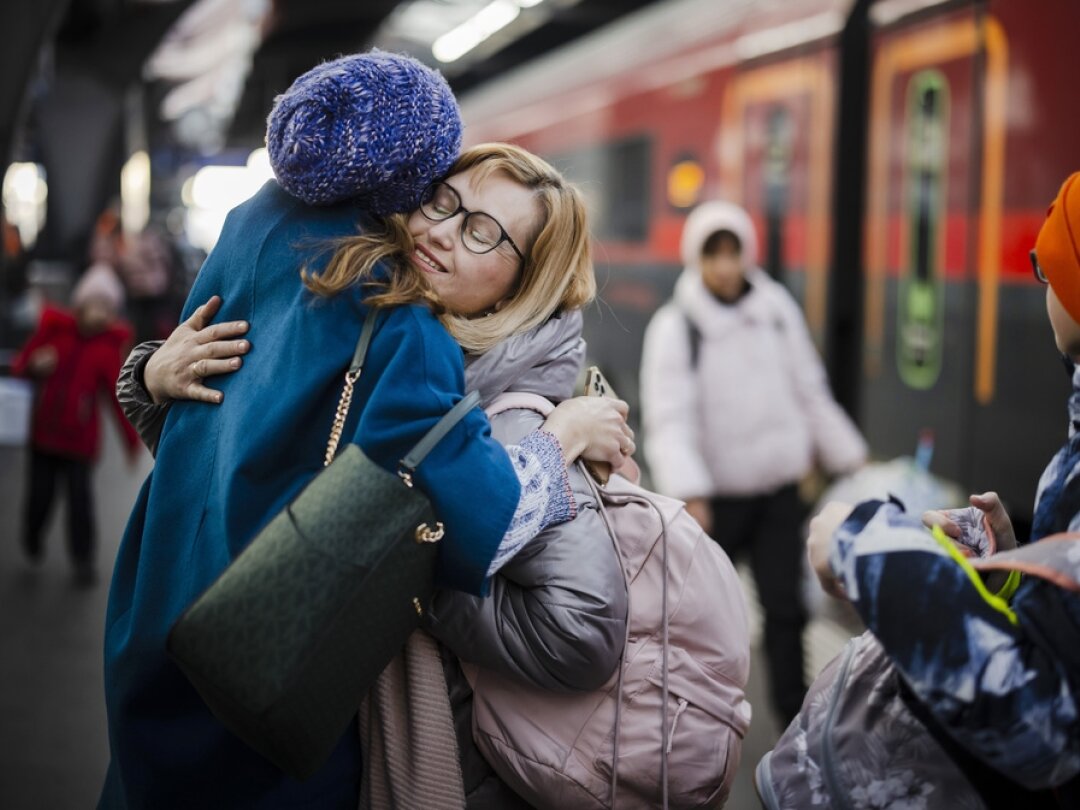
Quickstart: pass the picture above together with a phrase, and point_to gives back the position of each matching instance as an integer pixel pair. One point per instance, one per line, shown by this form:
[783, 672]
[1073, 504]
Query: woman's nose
[444, 232]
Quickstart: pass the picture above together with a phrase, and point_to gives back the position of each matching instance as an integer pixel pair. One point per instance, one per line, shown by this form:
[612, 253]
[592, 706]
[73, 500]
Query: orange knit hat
[1058, 246]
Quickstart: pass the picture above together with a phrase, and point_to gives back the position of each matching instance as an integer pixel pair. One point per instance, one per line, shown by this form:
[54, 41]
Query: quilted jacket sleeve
[556, 616]
[145, 415]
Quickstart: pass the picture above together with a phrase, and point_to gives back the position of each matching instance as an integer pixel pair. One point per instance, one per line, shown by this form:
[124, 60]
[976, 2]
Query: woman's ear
[502, 303]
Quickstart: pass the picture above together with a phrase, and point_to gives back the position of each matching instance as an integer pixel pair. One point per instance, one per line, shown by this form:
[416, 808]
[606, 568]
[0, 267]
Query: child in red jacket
[76, 356]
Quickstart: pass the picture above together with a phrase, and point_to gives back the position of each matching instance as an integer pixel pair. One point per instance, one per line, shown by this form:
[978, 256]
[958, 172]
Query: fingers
[613, 439]
[221, 331]
[210, 368]
[937, 517]
[987, 502]
[225, 348]
[998, 518]
[206, 332]
[201, 393]
[202, 315]
[620, 406]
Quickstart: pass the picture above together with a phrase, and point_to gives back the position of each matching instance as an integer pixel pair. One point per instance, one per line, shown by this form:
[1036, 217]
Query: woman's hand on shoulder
[593, 428]
[194, 351]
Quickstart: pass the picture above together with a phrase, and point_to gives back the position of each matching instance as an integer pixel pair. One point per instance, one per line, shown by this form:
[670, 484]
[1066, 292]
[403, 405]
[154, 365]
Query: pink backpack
[674, 713]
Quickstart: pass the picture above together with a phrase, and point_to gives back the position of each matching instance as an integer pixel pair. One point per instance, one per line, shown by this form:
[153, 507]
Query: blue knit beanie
[375, 128]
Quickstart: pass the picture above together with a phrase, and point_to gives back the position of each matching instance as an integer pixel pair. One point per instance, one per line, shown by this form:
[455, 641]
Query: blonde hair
[557, 272]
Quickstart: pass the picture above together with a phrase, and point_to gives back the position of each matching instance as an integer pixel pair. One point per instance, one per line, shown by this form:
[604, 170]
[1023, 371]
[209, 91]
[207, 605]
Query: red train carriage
[938, 176]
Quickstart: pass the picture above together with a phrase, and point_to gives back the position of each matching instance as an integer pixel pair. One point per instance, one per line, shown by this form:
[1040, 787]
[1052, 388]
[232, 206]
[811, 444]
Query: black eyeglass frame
[429, 192]
[1036, 269]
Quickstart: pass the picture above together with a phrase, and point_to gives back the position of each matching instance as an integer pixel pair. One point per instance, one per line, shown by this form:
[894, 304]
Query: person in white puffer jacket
[736, 409]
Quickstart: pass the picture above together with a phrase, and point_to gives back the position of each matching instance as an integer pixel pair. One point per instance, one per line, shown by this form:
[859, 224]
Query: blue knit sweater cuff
[561, 505]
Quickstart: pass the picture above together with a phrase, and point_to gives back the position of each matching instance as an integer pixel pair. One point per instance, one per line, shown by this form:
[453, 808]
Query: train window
[615, 178]
[920, 295]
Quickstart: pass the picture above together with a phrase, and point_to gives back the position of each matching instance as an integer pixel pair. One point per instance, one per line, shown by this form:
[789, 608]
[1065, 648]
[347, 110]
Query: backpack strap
[693, 335]
[602, 496]
[519, 400]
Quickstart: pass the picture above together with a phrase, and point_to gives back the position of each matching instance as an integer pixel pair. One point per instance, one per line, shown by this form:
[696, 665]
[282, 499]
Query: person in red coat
[76, 357]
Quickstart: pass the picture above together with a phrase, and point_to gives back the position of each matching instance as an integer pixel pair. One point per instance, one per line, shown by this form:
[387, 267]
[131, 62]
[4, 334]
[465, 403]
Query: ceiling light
[454, 44]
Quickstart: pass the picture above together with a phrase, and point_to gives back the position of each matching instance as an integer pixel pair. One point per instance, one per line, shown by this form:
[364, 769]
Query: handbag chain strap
[351, 376]
[407, 466]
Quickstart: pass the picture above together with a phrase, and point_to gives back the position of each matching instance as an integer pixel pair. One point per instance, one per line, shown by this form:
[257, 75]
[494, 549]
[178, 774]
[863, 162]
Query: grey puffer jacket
[557, 611]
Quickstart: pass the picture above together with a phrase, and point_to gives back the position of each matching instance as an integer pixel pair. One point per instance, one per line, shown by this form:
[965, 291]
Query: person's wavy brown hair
[557, 273]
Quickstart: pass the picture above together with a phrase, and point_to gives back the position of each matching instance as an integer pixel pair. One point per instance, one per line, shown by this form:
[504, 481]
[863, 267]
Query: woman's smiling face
[468, 283]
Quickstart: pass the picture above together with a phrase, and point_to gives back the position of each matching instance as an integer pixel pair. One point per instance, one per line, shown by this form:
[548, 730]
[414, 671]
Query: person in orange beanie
[1056, 263]
[988, 650]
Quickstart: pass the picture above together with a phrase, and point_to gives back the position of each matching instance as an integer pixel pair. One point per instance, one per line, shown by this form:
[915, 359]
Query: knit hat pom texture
[374, 128]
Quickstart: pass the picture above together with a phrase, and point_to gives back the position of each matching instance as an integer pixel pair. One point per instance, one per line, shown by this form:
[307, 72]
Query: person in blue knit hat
[495, 248]
[373, 129]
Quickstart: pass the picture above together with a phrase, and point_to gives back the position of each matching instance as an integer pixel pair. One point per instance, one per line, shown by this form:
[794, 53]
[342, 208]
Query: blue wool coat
[222, 472]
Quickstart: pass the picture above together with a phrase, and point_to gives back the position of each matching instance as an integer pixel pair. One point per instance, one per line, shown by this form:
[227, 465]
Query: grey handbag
[284, 645]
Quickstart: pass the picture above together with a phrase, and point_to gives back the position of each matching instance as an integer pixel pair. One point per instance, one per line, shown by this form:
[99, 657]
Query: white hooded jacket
[755, 410]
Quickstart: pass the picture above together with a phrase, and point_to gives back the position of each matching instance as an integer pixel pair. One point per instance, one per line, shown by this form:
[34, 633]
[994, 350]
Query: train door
[934, 200]
[775, 143]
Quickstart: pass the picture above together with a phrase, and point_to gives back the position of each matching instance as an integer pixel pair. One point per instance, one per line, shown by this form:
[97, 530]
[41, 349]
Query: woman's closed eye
[484, 234]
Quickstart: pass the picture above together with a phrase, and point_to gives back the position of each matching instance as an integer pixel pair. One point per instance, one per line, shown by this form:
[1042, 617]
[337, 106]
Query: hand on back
[194, 351]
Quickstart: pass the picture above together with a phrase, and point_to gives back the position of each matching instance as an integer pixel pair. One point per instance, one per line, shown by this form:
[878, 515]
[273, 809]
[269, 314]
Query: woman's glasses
[480, 233]
[1040, 276]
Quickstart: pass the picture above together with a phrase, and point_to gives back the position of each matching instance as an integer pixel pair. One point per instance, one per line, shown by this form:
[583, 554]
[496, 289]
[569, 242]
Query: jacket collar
[546, 361]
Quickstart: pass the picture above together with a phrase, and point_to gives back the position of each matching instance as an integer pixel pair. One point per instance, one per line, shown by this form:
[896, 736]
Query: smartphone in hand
[596, 385]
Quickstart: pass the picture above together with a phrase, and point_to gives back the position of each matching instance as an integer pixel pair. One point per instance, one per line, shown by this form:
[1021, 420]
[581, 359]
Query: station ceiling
[114, 38]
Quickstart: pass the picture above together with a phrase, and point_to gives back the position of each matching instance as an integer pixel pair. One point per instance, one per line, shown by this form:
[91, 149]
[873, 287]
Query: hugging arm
[177, 369]
[145, 415]
[992, 675]
[586, 427]
[556, 616]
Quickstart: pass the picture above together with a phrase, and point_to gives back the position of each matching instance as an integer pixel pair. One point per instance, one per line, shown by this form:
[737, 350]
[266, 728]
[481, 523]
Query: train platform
[53, 737]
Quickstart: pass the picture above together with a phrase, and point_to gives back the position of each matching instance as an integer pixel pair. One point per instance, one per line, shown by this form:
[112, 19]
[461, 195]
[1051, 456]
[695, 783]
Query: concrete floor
[53, 743]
